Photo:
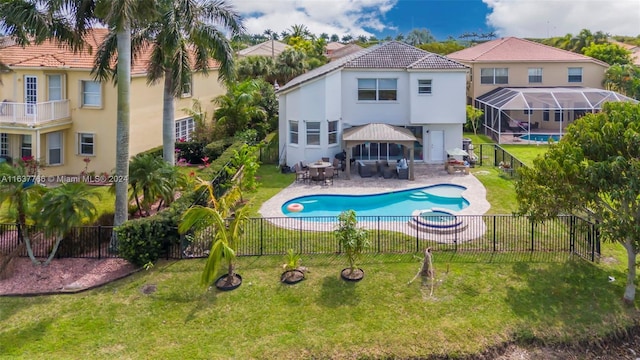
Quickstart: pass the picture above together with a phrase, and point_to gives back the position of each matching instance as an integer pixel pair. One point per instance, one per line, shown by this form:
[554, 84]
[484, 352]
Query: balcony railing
[33, 114]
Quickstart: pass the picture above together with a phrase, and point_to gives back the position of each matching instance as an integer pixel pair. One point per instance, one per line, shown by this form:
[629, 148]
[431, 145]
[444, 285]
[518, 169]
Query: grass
[478, 301]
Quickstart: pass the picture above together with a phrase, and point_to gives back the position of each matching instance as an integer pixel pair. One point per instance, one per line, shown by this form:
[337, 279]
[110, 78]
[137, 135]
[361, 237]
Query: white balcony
[33, 115]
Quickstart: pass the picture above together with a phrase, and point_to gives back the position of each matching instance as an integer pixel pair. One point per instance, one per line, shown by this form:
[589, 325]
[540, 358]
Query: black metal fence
[387, 234]
[495, 155]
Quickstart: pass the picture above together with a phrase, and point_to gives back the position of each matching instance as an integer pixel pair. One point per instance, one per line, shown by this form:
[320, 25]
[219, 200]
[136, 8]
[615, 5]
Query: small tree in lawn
[227, 229]
[65, 207]
[354, 240]
[593, 171]
[473, 119]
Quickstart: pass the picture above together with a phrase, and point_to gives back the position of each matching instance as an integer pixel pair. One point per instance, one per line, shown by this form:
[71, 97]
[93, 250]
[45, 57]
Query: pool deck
[425, 175]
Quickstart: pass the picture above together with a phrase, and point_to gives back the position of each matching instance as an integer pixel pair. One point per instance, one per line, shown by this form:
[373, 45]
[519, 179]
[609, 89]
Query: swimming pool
[540, 137]
[395, 203]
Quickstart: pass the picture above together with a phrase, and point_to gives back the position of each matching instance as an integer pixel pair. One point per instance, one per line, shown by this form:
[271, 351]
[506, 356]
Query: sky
[444, 18]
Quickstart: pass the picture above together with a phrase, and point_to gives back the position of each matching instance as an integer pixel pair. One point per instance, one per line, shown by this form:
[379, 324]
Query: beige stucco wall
[145, 121]
[553, 74]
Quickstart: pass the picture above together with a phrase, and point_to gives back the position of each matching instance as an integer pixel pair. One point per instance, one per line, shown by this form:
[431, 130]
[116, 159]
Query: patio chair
[336, 166]
[326, 159]
[301, 175]
[329, 174]
[316, 175]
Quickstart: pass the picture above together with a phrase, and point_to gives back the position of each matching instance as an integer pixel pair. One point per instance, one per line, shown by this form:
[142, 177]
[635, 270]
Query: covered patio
[377, 132]
[539, 113]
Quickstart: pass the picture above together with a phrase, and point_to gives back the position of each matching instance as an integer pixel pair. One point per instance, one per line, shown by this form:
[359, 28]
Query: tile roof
[512, 49]
[344, 51]
[56, 55]
[334, 45]
[388, 55]
[264, 49]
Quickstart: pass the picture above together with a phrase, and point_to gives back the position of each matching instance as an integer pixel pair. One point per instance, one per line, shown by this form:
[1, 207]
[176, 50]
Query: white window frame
[51, 89]
[379, 87]
[294, 132]
[535, 75]
[84, 93]
[187, 89]
[494, 74]
[4, 144]
[184, 128]
[425, 87]
[574, 78]
[332, 132]
[313, 132]
[82, 143]
[59, 147]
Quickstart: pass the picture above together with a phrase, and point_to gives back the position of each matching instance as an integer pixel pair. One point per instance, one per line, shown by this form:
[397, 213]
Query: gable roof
[264, 49]
[512, 49]
[334, 45]
[344, 51]
[388, 55]
[378, 132]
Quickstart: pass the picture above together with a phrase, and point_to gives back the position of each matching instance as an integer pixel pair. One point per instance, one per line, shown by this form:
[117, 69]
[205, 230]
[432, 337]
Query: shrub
[216, 148]
[191, 151]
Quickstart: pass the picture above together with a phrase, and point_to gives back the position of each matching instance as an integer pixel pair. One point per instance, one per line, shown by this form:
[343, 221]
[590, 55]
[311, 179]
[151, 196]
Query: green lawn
[479, 300]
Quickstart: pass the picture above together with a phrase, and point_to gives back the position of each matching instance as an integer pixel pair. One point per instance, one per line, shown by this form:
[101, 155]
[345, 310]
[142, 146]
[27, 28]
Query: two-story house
[391, 83]
[524, 86]
[52, 107]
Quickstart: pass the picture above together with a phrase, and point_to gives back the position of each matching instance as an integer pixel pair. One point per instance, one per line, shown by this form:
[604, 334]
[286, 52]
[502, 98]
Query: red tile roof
[512, 49]
[55, 55]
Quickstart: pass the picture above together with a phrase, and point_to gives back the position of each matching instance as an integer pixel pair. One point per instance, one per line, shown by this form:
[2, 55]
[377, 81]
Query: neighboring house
[331, 47]
[54, 110]
[633, 49]
[525, 87]
[392, 83]
[271, 48]
[344, 51]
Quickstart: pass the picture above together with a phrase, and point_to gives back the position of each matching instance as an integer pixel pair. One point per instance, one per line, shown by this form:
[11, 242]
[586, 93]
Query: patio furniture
[301, 175]
[337, 166]
[329, 174]
[326, 159]
[403, 174]
[366, 170]
[315, 174]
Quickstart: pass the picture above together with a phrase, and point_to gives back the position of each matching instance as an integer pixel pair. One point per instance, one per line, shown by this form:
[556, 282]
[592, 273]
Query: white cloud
[544, 18]
[319, 16]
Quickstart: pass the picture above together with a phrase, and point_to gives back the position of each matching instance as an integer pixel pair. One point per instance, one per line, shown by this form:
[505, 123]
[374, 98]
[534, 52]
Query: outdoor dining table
[319, 165]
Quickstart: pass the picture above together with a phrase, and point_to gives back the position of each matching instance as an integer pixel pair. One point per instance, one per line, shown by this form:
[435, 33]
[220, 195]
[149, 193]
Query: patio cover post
[411, 170]
[348, 160]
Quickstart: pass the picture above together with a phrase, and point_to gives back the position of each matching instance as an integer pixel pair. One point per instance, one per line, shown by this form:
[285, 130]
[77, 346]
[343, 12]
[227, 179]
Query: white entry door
[30, 93]
[436, 139]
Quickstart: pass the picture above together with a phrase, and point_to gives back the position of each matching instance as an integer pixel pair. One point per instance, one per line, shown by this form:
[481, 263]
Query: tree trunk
[27, 244]
[54, 250]
[122, 130]
[630, 289]
[168, 121]
[23, 233]
[230, 273]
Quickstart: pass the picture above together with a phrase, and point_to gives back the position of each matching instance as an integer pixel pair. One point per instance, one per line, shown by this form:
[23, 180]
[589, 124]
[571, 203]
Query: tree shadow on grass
[566, 298]
[17, 340]
[336, 292]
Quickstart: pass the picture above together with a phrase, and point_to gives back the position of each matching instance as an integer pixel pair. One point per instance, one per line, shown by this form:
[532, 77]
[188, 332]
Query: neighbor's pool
[540, 137]
[396, 203]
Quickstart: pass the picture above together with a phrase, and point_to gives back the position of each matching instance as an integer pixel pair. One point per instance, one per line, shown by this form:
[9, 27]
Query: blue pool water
[396, 203]
[540, 137]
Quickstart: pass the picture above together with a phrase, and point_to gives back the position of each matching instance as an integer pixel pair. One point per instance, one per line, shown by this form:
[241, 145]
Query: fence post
[99, 241]
[572, 234]
[532, 235]
[378, 251]
[261, 236]
[494, 233]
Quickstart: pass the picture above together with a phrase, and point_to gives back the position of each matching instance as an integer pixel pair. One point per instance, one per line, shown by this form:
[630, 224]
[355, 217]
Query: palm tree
[228, 229]
[290, 64]
[65, 207]
[185, 38]
[301, 31]
[252, 67]
[238, 107]
[19, 196]
[148, 178]
[419, 36]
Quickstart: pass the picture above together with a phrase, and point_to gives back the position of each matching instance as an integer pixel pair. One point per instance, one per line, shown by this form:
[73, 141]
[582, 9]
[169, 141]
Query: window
[54, 148]
[535, 75]
[186, 89]
[494, 76]
[528, 112]
[424, 87]
[377, 89]
[575, 75]
[54, 92]
[558, 115]
[25, 147]
[86, 144]
[184, 128]
[313, 133]
[293, 132]
[545, 115]
[91, 94]
[333, 132]
[4, 144]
